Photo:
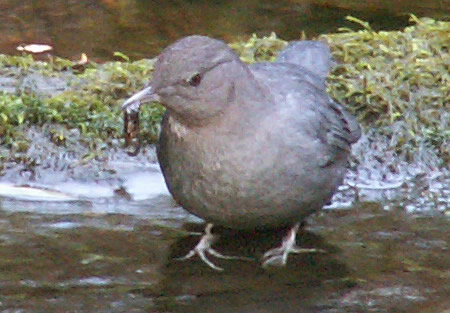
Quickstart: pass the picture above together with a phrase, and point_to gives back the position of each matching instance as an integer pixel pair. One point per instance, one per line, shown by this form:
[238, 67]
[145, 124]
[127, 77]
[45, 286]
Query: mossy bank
[396, 82]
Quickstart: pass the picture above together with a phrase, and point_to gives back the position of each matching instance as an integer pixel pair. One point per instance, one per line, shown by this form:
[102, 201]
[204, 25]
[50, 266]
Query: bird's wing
[342, 128]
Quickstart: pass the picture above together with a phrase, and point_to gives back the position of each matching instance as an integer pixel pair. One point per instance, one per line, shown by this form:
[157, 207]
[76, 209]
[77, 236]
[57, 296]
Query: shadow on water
[85, 247]
[246, 286]
[376, 260]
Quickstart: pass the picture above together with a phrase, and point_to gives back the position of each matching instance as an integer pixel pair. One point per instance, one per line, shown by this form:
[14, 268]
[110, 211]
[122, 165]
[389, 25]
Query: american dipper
[249, 146]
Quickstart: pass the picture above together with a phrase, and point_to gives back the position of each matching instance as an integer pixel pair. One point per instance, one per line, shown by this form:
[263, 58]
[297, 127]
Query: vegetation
[397, 82]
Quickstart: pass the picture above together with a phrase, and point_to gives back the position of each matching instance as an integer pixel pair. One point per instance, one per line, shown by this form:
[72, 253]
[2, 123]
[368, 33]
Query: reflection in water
[111, 251]
[103, 252]
[142, 28]
[376, 261]
[245, 286]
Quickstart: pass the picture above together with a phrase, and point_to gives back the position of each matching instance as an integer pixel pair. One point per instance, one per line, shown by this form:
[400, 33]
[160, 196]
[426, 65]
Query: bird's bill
[134, 102]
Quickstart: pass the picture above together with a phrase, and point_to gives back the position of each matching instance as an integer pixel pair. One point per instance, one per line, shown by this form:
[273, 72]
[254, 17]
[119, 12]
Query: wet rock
[8, 84]
[40, 85]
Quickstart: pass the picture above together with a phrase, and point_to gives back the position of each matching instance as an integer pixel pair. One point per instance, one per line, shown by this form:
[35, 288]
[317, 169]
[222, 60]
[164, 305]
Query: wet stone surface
[99, 232]
[112, 247]
[102, 235]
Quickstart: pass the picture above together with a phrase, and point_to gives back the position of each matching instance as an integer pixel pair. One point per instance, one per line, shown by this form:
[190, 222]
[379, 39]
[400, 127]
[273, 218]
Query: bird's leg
[278, 256]
[204, 246]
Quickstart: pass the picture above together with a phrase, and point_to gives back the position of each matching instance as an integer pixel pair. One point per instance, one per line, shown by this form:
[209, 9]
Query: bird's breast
[229, 177]
[213, 164]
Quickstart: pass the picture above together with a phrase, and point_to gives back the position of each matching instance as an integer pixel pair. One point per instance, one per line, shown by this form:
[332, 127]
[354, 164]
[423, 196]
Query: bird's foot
[204, 246]
[278, 256]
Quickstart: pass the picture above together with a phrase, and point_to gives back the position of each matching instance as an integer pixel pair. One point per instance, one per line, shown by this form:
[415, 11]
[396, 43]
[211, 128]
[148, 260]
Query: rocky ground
[67, 179]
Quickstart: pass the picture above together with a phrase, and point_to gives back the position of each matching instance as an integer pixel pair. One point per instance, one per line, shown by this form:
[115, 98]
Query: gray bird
[249, 146]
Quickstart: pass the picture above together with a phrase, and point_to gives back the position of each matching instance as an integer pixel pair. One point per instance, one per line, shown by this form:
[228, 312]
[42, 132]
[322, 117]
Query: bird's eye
[195, 80]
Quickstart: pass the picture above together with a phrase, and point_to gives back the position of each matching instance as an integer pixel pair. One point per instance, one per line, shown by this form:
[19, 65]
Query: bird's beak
[133, 103]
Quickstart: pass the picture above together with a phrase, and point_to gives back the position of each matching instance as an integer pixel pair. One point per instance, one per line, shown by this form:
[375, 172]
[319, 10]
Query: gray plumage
[249, 146]
[314, 56]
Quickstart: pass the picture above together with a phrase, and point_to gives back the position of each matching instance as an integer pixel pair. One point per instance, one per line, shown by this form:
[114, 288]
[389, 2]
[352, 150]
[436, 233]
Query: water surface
[105, 236]
[142, 28]
[113, 253]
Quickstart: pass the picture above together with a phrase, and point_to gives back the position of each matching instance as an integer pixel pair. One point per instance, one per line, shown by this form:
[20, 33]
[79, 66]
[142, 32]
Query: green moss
[397, 82]
[91, 103]
[24, 62]
[12, 117]
[259, 49]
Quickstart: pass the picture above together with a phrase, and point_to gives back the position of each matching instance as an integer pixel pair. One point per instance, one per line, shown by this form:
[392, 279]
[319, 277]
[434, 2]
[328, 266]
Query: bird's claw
[278, 256]
[204, 246]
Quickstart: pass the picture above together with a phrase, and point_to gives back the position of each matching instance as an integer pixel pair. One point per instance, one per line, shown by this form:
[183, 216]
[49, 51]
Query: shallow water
[104, 236]
[117, 253]
[142, 28]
